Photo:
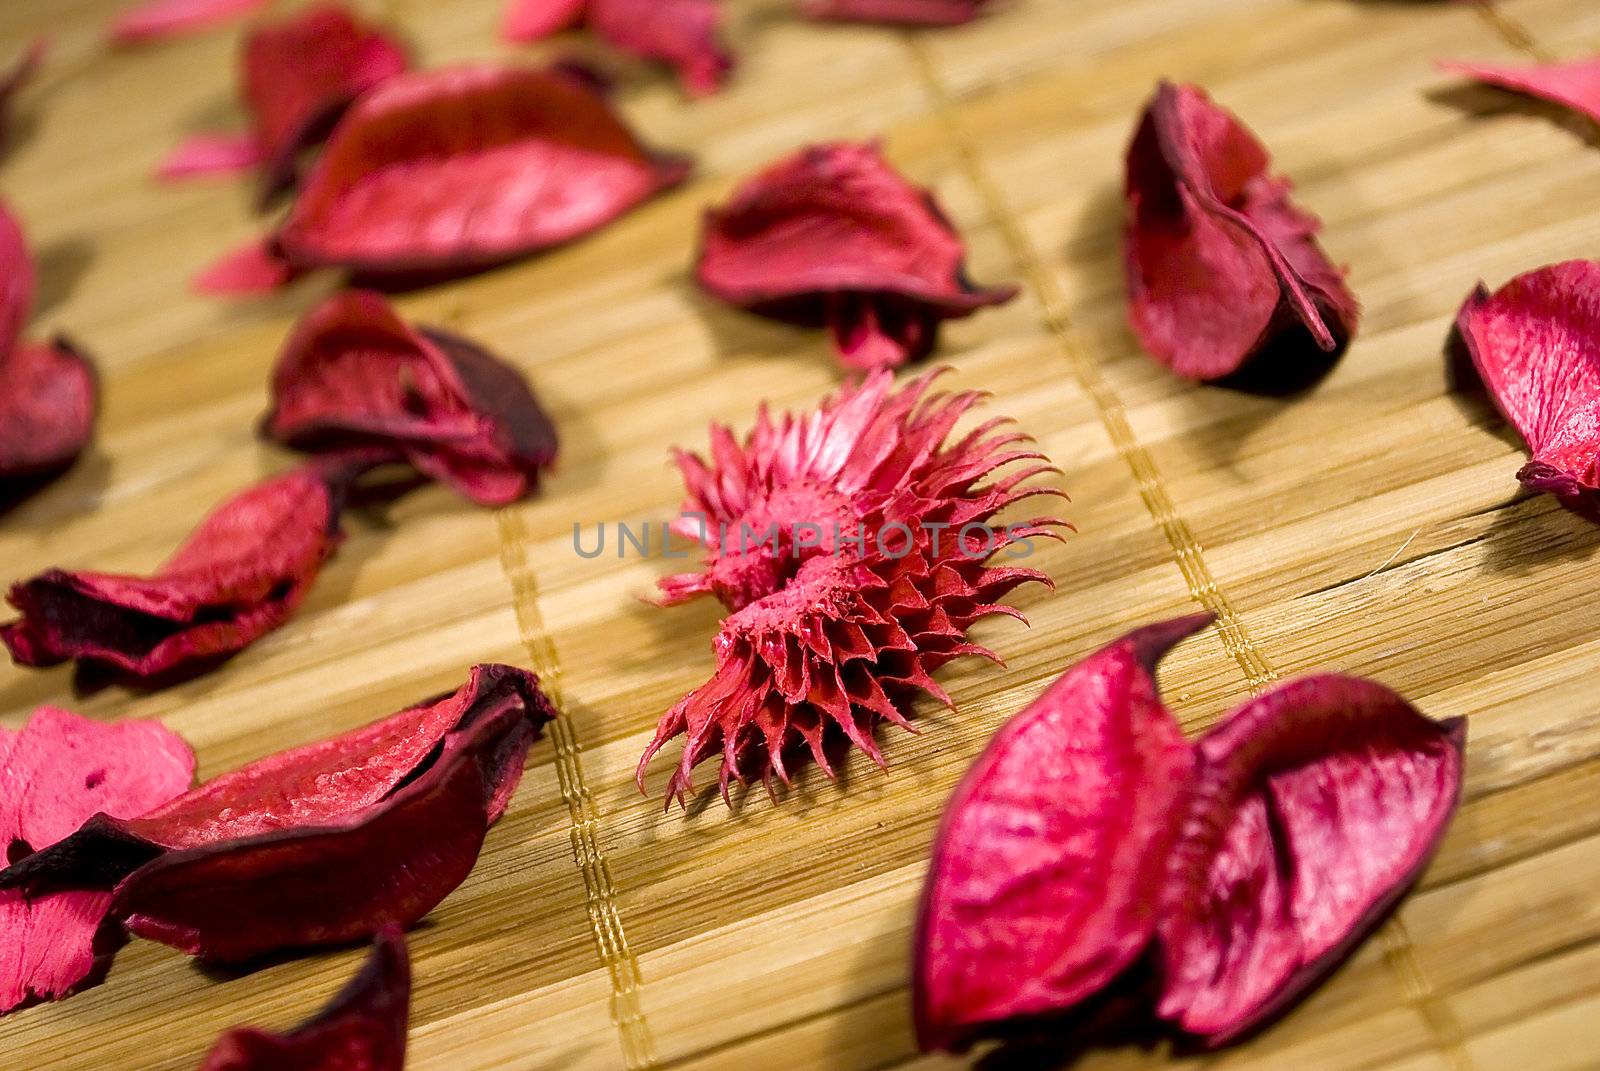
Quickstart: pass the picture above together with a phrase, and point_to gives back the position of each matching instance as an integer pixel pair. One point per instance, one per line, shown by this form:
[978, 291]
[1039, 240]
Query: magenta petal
[1573, 85]
[1314, 809]
[254, 268]
[1535, 344]
[362, 1029]
[682, 33]
[155, 20]
[1046, 868]
[211, 154]
[57, 772]
[534, 20]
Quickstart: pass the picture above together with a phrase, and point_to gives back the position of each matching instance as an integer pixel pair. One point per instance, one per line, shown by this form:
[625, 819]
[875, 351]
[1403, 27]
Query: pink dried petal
[1314, 808]
[157, 20]
[1048, 862]
[253, 268]
[362, 1029]
[48, 392]
[300, 75]
[534, 20]
[1222, 268]
[322, 844]
[48, 398]
[57, 772]
[829, 635]
[353, 374]
[1573, 85]
[310, 786]
[211, 154]
[459, 169]
[19, 74]
[1535, 343]
[681, 33]
[895, 12]
[833, 235]
[386, 865]
[239, 575]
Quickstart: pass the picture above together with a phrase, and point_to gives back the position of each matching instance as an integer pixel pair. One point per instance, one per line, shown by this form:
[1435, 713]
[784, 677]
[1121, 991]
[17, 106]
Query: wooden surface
[1371, 526]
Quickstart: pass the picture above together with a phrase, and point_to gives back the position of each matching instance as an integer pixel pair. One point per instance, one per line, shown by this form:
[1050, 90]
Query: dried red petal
[1222, 268]
[321, 844]
[534, 20]
[47, 391]
[211, 154]
[19, 74]
[829, 635]
[681, 33]
[1314, 809]
[355, 375]
[301, 75]
[47, 408]
[239, 575]
[363, 1028]
[157, 20]
[834, 235]
[895, 12]
[54, 774]
[1047, 866]
[1573, 85]
[1535, 343]
[458, 169]
[253, 268]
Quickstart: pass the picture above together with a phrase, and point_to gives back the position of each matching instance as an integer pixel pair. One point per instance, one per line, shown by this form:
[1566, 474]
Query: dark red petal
[534, 20]
[895, 12]
[211, 154]
[239, 575]
[384, 865]
[1219, 262]
[683, 33]
[18, 280]
[314, 785]
[47, 407]
[1315, 807]
[457, 169]
[1573, 85]
[54, 774]
[362, 1029]
[301, 74]
[1046, 868]
[253, 268]
[835, 228]
[1535, 343]
[19, 74]
[354, 374]
[156, 20]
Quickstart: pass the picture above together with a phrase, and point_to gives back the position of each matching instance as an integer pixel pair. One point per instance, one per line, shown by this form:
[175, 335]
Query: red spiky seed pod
[851, 544]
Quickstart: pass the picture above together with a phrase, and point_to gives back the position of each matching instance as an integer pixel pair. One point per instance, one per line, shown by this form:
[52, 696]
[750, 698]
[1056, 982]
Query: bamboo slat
[1371, 525]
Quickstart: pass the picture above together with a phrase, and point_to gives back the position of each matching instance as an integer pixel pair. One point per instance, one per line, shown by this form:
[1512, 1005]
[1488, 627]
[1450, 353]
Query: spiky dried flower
[851, 545]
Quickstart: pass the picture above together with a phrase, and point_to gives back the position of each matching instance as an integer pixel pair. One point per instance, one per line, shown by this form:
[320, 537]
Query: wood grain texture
[1371, 525]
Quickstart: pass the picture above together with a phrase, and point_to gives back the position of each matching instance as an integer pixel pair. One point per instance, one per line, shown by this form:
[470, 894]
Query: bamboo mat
[1371, 526]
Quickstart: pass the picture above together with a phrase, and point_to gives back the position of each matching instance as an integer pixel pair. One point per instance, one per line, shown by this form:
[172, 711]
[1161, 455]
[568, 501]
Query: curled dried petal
[157, 20]
[682, 33]
[54, 774]
[459, 169]
[1573, 85]
[534, 20]
[1535, 344]
[834, 235]
[1314, 809]
[355, 375]
[238, 576]
[254, 268]
[48, 398]
[1222, 268]
[211, 154]
[1047, 865]
[363, 1028]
